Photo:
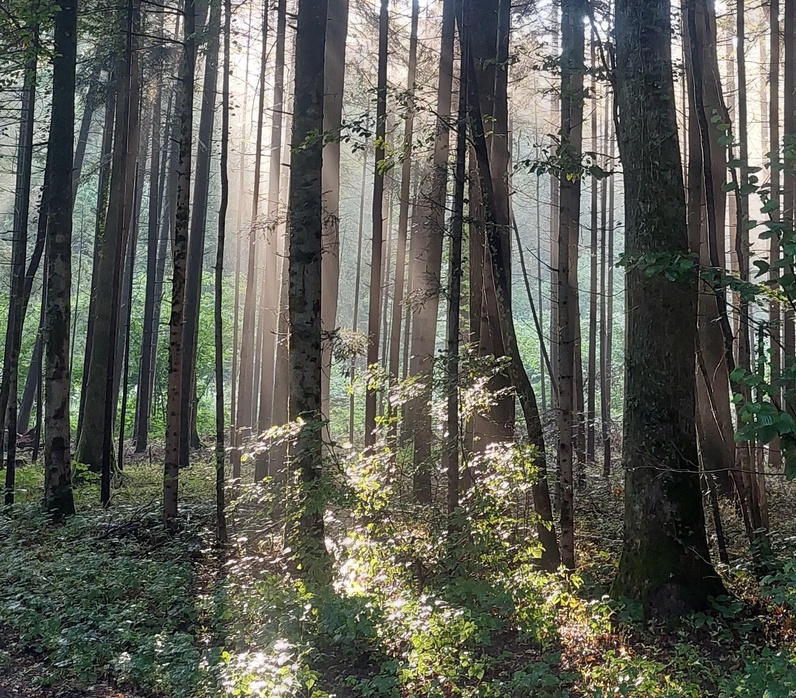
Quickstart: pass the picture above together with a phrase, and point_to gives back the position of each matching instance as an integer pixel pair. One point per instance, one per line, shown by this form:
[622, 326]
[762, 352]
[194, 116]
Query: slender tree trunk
[789, 161]
[304, 299]
[403, 209]
[774, 313]
[427, 262]
[270, 310]
[665, 562]
[245, 395]
[336, 33]
[103, 182]
[90, 444]
[196, 238]
[89, 108]
[451, 460]
[374, 305]
[16, 313]
[179, 257]
[591, 385]
[58, 499]
[605, 357]
[572, 70]
[149, 322]
[357, 287]
[221, 519]
[541, 496]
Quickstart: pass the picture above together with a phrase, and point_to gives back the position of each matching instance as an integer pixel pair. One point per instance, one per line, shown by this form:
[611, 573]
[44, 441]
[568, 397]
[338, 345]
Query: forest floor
[109, 605]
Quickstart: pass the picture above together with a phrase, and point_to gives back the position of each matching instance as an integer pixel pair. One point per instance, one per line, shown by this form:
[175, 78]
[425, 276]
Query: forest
[410, 348]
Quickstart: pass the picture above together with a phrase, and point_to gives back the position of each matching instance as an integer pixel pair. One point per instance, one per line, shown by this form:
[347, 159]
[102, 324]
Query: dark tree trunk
[104, 328]
[306, 533]
[179, 259]
[377, 213]
[196, 239]
[58, 499]
[524, 390]
[665, 562]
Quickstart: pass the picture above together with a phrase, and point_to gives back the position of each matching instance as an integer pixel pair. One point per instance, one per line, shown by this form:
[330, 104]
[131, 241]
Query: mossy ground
[109, 604]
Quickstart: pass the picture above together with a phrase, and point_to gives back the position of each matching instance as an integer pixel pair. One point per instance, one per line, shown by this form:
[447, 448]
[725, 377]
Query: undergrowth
[110, 596]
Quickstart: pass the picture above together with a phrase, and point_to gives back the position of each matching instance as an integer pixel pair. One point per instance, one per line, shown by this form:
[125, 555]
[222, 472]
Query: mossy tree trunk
[665, 562]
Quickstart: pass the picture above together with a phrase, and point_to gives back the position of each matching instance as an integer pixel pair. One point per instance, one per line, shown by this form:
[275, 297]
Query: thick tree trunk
[591, 380]
[306, 533]
[179, 259]
[58, 499]
[665, 562]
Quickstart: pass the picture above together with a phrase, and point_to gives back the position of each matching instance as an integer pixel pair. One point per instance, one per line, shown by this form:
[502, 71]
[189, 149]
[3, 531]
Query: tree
[305, 228]
[377, 219]
[573, 13]
[58, 499]
[665, 562]
[174, 416]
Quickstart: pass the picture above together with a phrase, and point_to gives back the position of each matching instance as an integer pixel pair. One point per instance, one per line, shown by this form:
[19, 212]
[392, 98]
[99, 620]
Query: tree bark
[179, 258]
[18, 305]
[665, 562]
[58, 499]
[196, 238]
[573, 13]
[426, 259]
[104, 328]
[377, 220]
[305, 226]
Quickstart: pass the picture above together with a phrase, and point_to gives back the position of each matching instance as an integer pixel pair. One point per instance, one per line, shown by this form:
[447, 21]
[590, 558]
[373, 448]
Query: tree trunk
[336, 32]
[270, 305]
[541, 496]
[179, 259]
[427, 262]
[221, 519]
[451, 456]
[150, 321]
[245, 396]
[665, 562]
[18, 305]
[591, 385]
[377, 213]
[573, 13]
[789, 161]
[357, 287]
[58, 499]
[403, 210]
[306, 533]
[774, 314]
[104, 327]
[103, 182]
[196, 238]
